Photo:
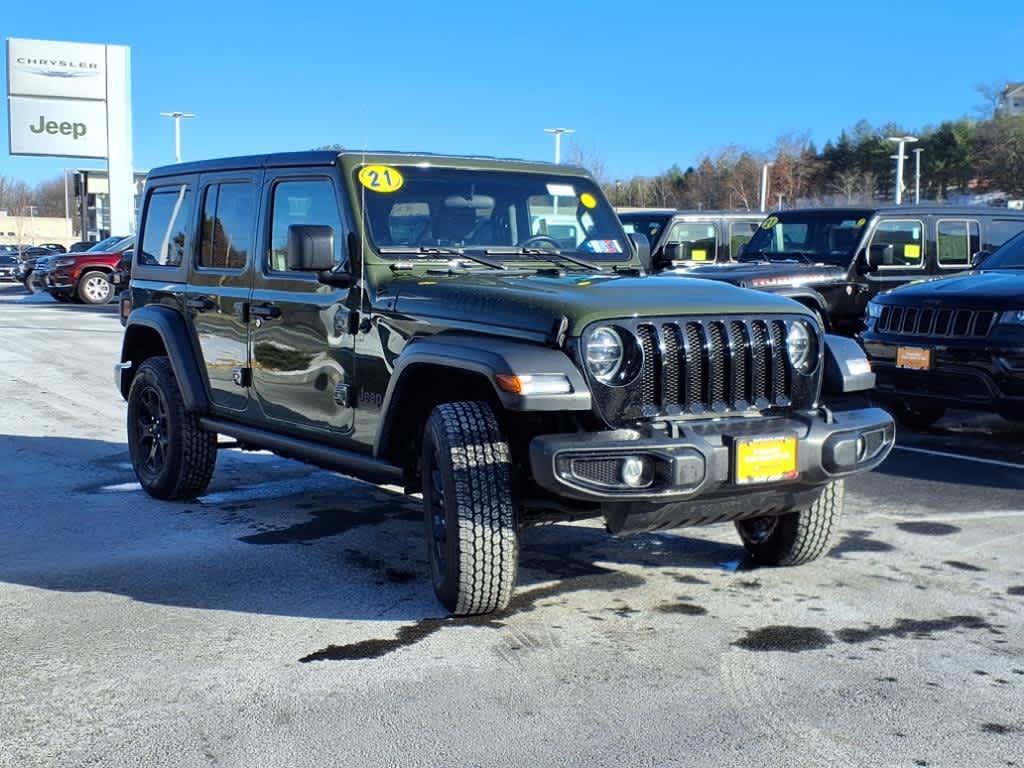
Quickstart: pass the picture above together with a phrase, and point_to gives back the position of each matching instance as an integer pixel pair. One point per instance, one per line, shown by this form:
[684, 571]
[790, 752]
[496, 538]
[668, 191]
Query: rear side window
[907, 241]
[740, 233]
[1001, 230]
[957, 241]
[168, 214]
[698, 238]
[229, 213]
[306, 201]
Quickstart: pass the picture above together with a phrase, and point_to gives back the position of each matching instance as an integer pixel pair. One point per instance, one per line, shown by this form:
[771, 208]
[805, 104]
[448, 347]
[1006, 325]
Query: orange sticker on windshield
[588, 200]
[381, 178]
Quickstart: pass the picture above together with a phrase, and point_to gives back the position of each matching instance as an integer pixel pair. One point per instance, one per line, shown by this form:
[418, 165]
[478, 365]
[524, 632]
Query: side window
[1001, 230]
[957, 241]
[907, 241]
[740, 233]
[168, 214]
[698, 238]
[306, 201]
[229, 212]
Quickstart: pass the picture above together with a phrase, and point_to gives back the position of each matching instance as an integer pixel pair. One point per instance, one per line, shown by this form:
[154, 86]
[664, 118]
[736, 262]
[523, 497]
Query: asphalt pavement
[285, 618]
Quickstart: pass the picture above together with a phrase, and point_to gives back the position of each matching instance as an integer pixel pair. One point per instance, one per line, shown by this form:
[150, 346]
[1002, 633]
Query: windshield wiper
[548, 253]
[805, 256]
[430, 250]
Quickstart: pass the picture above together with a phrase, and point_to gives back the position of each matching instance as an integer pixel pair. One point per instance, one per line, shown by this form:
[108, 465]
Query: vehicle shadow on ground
[17, 295]
[272, 536]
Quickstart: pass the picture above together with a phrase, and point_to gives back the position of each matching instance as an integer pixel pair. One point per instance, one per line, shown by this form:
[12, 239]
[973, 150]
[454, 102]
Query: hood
[766, 274]
[534, 302]
[995, 289]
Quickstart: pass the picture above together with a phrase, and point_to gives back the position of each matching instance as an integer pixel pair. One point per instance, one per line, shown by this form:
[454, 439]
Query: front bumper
[977, 376]
[697, 459]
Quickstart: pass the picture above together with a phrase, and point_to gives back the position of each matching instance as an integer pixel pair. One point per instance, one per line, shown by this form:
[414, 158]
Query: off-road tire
[190, 453]
[919, 418]
[796, 537]
[84, 289]
[471, 526]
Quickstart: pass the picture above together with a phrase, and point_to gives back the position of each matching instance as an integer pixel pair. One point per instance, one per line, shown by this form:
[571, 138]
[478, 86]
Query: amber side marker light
[534, 384]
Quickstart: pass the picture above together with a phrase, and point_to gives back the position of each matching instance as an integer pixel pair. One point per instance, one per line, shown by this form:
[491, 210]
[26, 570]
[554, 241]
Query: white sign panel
[50, 68]
[58, 127]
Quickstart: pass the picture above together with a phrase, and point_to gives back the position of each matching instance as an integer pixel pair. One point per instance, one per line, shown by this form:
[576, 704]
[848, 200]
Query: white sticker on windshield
[561, 190]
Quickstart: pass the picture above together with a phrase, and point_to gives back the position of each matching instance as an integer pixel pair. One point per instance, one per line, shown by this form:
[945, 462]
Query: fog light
[635, 472]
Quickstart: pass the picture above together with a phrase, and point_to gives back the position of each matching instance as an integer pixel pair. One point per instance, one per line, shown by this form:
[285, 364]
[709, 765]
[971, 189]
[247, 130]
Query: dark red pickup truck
[83, 276]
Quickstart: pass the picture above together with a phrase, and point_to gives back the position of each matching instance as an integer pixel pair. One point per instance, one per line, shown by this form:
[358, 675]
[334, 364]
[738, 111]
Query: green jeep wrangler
[481, 331]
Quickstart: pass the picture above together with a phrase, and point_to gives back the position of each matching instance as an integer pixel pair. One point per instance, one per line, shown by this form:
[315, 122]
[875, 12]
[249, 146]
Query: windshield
[829, 237]
[648, 224]
[102, 245]
[1009, 256]
[410, 208]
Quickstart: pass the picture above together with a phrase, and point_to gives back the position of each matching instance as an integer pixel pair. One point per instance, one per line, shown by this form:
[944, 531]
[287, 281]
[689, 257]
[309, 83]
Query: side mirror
[879, 255]
[643, 250]
[310, 248]
[979, 257]
[674, 252]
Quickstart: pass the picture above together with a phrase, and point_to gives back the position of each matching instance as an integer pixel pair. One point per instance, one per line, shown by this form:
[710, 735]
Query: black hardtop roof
[331, 157]
[910, 210]
[690, 212]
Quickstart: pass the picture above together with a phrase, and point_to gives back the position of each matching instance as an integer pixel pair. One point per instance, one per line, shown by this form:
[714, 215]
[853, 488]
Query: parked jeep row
[483, 332]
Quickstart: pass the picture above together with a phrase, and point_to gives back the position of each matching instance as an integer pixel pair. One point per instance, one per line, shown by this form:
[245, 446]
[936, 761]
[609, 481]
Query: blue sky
[645, 84]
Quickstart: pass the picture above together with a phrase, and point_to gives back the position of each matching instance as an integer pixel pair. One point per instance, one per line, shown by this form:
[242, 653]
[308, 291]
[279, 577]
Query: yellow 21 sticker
[381, 178]
[588, 200]
[770, 222]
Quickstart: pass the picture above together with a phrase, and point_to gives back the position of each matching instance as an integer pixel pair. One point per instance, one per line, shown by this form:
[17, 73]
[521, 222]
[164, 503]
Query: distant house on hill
[1011, 100]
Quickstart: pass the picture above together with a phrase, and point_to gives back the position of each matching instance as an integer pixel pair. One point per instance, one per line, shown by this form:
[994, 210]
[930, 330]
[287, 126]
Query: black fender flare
[487, 357]
[807, 297]
[170, 326]
[847, 368]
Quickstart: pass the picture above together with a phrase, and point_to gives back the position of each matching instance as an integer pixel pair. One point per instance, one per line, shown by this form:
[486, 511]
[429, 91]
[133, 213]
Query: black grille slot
[740, 348]
[910, 320]
[652, 362]
[962, 322]
[603, 471]
[694, 352]
[943, 321]
[716, 367]
[780, 362]
[983, 323]
[672, 365]
[924, 322]
[759, 357]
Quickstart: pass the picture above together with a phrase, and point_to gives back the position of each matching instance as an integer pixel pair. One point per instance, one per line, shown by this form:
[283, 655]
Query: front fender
[487, 357]
[846, 367]
[170, 327]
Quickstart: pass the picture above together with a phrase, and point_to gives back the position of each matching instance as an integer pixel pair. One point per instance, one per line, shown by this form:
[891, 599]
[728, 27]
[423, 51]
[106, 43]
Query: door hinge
[242, 376]
[344, 396]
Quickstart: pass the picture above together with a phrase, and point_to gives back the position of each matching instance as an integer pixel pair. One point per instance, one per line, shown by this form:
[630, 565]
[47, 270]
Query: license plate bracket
[764, 459]
[914, 358]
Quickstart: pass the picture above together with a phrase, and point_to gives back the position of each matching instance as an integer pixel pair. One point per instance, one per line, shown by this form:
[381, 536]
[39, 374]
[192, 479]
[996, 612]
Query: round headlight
[801, 343]
[604, 353]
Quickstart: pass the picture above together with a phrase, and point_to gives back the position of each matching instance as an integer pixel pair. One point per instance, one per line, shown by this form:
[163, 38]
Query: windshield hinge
[558, 332]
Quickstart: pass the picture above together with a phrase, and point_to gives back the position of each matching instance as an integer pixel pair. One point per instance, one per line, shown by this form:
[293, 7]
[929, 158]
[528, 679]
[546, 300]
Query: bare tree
[991, 96]
[590, 160]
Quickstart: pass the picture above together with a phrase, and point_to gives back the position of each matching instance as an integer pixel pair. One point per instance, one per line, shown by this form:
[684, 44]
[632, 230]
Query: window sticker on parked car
[911, 251]
[381, 178]
[861, 222]
[588, 200]
[603, 246]
[562, 190]
[699, 255]
[770, 222]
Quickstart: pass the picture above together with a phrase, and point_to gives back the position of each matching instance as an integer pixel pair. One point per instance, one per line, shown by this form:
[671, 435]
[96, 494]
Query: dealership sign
[74, 100]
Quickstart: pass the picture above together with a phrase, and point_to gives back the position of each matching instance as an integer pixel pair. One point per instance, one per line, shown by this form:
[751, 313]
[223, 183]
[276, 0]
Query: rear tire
[172, 454]
[919, 418]
[798, 537]
[471, 527]
[95, 288]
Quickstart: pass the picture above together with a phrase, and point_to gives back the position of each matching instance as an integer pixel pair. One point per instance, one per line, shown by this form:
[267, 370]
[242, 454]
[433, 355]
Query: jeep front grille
[708, 366]
[941, 323]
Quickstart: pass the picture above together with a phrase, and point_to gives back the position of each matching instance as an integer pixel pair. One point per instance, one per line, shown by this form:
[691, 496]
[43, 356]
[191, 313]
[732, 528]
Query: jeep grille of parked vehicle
[700, 366]
[958, 323]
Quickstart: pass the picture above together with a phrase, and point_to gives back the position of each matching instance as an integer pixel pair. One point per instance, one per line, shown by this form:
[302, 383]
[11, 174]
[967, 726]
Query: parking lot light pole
[917, 175]
[557, 132]
[901, 142]
[764, 185]
[177, 130]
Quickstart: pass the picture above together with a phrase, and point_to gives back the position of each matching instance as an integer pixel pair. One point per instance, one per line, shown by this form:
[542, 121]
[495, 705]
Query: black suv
[833, 260]
[415, 319]
[953, 343]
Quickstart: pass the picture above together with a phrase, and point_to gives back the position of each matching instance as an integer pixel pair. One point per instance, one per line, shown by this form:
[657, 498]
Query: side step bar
[326, 456]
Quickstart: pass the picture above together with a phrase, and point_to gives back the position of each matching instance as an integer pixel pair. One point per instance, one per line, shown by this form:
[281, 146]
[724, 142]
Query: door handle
[200, 303]
[264, 311]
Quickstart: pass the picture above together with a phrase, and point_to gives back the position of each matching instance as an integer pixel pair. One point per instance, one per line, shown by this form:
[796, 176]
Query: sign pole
[120, 170]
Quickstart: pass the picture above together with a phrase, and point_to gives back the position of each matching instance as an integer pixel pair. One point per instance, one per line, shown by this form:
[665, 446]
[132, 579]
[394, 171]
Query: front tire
[797, 537]
[95, 288]
[471, 527]
[172, 454]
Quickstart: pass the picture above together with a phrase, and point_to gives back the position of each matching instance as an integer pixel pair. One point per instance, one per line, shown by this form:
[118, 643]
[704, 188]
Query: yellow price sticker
[699, 255]
[588, 200]
[381, 178]
[770, 222]
[912, 252]
[861, 222]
